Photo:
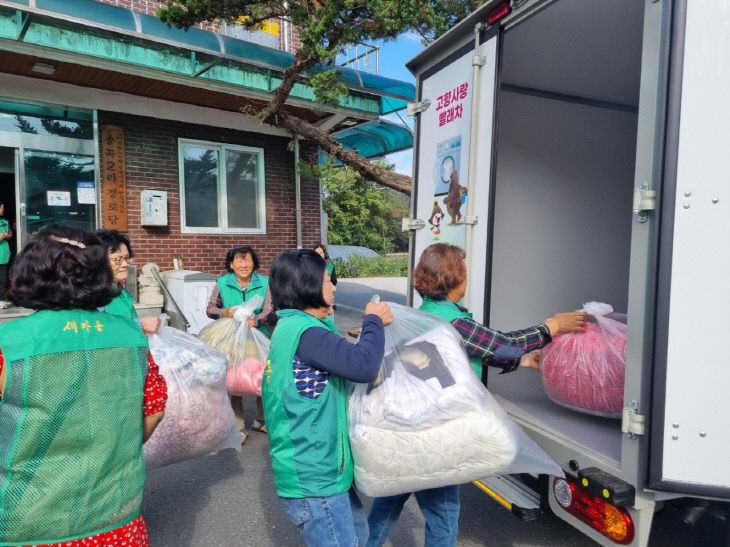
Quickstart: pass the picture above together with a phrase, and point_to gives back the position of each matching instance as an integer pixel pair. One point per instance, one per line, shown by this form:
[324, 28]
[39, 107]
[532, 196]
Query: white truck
[579, 150]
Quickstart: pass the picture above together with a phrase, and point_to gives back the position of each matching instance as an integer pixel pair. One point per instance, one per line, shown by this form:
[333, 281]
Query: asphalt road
[228, 499]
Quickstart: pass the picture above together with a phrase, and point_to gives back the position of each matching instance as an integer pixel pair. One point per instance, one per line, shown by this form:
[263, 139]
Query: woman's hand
[531, 360]
[251, 322]
[227, 312]
[150, 324]
[3, 380]
[150, 423]
[571, 321]
[382, 310]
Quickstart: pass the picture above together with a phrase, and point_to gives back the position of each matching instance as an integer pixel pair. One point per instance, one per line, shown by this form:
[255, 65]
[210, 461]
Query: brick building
[85, 83]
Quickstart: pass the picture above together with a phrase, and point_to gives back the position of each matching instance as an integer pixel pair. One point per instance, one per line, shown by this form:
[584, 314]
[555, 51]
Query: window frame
[221, 187]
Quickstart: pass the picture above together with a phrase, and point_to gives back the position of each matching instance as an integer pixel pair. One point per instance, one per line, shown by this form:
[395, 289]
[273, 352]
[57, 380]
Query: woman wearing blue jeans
[440, 278]
[305, 400]
[439, 506]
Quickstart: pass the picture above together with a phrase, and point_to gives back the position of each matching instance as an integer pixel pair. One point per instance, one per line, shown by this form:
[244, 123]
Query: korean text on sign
[113, 178]
[450, 106]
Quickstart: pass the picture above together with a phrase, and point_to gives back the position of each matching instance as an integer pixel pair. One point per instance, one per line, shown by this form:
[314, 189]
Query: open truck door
[690, 429]
[454, 133]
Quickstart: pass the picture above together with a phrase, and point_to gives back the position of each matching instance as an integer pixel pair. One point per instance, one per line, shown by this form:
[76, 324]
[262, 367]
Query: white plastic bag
[427, 420]
[198, 416]
[246, 348]
[585, 371]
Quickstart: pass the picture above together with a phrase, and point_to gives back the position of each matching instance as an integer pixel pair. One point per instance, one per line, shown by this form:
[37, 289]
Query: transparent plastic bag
[585, 371]
[427, 420]
[198, 416]
[246, 348]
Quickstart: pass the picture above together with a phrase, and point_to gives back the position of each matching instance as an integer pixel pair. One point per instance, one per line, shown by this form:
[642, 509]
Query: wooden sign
[113, 179]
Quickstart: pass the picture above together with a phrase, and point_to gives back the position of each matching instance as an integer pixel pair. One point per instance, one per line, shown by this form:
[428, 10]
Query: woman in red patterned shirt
[79, 394]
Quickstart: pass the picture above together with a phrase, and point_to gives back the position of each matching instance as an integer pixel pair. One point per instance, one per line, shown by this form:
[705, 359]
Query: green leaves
[360, 212]
[327, 89]
[382, 266]
[325, 26]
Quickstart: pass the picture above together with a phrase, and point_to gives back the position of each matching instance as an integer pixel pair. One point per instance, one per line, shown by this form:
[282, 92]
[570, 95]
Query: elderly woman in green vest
[73, 405]
[120, 257]
[305, 399]
[240, 284]
[440, 278]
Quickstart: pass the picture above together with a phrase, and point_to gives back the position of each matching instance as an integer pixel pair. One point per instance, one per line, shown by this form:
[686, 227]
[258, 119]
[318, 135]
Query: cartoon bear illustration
[455, 198]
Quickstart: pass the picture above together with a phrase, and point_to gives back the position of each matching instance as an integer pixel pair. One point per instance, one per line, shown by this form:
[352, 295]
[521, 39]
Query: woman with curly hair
[79, 394]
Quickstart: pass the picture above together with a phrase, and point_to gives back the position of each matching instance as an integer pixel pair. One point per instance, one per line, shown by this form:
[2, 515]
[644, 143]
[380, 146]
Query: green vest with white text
[308, 440]
[71, 459]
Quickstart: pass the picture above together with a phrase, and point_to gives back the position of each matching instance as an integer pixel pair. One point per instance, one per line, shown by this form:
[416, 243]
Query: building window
[221, 188]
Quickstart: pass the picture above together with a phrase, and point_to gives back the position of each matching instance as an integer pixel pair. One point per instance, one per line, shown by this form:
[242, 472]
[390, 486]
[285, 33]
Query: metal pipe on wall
[477, 63]
[298, 192]
[285, 30]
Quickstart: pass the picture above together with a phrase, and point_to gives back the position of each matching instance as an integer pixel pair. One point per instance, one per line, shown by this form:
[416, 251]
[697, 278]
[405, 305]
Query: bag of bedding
[246, 348]
[198, 416]
[427, 420]
[585, 371]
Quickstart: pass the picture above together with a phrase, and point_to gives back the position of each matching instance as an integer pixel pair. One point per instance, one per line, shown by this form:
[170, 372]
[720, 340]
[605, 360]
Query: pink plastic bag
[246, 348]
[585, 370]
[245, 378]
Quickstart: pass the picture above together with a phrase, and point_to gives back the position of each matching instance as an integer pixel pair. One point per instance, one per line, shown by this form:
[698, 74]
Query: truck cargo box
[587, 143]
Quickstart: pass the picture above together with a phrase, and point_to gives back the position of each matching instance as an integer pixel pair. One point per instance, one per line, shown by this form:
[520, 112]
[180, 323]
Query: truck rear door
[690, 423]
[442, 163]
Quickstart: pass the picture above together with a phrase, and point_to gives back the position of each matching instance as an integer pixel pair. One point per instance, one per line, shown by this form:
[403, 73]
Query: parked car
[344, 252]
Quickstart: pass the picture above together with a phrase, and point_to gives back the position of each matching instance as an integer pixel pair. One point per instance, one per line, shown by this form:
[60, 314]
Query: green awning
[374, 139]
[96, 29]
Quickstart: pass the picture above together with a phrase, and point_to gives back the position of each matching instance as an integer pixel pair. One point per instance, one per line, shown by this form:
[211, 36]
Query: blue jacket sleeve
[325, 350]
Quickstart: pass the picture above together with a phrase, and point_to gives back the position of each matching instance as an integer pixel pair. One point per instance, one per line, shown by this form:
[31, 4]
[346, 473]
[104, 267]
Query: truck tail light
[496, 13]
[613, 522]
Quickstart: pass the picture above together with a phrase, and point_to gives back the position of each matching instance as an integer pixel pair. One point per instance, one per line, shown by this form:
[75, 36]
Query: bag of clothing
[198, 416]
[427, 421]
[246, 348]
[585, 371]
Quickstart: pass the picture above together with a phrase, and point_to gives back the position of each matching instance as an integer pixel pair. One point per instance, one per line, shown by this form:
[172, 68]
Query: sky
[393, 57]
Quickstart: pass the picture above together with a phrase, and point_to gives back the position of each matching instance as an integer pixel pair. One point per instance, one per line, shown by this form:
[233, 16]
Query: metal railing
[361, 56]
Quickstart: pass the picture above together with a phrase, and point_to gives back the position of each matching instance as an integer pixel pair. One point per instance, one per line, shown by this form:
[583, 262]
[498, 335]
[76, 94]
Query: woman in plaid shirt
[440, 278]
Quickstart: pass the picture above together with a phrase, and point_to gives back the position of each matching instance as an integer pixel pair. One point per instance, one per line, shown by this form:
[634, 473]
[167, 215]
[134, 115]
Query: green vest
[4, 245]
[122, 305]
[308, 441]
[71, 459]
[232, 295]
[450, 311]
[329, 321]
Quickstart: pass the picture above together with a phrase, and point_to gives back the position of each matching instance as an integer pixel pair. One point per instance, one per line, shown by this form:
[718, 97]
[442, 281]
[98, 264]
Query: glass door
[54, 167]
[59, 189]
